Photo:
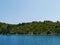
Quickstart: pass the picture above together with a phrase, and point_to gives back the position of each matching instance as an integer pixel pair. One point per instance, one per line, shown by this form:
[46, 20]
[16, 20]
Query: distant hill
[42, 28]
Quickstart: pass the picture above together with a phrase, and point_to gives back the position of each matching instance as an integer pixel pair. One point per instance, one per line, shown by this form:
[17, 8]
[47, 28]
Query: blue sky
[18, 11]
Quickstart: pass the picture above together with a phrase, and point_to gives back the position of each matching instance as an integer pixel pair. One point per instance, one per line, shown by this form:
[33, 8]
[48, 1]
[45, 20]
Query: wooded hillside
[46, 27]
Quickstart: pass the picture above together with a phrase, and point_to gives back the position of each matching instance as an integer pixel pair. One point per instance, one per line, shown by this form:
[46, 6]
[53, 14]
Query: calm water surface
[29, 40]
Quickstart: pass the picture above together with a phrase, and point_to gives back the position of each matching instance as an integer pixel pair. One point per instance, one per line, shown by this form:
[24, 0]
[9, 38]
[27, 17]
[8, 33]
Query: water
[29, 40]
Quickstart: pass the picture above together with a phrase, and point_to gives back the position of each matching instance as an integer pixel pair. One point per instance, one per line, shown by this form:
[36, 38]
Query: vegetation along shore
[45, 27]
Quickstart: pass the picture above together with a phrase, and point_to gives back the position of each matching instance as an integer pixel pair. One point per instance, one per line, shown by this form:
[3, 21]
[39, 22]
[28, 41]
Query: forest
[34, 27]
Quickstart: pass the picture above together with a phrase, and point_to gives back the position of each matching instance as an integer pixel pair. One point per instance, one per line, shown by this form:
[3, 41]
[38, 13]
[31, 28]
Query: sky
[18, 11]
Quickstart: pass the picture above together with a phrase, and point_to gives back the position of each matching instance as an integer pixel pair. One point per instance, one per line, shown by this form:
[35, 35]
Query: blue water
[29, 40]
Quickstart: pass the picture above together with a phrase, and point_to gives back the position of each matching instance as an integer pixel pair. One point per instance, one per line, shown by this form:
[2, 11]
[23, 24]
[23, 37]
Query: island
[34, 27]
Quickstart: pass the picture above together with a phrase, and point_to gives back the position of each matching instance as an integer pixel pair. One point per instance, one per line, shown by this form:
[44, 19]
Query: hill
[42, 28]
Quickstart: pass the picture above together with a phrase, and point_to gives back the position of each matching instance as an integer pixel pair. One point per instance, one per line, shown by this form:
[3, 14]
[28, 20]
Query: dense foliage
[46, 27]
